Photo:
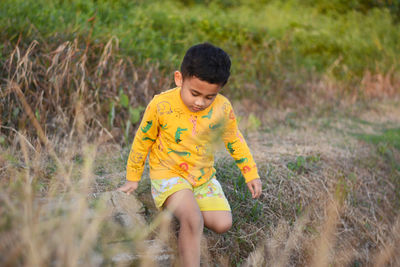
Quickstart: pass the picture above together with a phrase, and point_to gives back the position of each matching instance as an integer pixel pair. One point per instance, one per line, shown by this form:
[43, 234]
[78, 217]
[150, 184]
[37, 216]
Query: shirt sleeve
[237, 146]
[145, 137]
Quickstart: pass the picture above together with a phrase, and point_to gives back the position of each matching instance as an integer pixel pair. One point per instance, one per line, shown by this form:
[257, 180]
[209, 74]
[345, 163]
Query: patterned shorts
[209, 196]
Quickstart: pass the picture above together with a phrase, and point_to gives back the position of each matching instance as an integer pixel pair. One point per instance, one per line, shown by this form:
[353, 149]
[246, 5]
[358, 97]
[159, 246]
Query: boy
[179, 128]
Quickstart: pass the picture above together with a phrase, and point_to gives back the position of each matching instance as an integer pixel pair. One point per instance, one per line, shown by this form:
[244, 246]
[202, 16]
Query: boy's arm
[144, 139]
[237, 147]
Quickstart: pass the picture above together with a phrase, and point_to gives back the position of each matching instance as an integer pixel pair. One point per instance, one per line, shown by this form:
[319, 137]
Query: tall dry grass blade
[55, 59]
[105, 56]
[256, 258]
[324, 244]
[389, 253]
[23, 70]
[58, 69]
[15, 87]
[29, 226]
[18, 55]
[293, 241]
[20, 136]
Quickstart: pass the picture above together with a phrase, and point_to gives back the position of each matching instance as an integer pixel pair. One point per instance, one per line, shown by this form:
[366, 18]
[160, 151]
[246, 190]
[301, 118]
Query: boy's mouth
[196, 109]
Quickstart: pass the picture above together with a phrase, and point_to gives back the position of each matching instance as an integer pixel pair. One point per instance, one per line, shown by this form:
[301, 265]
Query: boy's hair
[207, 63]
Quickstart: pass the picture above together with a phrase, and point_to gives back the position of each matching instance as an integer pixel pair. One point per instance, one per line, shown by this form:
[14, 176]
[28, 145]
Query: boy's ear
[178, 78]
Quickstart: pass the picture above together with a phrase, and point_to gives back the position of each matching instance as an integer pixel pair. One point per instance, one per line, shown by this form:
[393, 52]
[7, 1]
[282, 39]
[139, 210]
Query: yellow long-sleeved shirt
[182, 143]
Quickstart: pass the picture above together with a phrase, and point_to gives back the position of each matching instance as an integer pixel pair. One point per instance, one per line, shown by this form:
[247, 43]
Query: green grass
[386, 143]
[389, 137]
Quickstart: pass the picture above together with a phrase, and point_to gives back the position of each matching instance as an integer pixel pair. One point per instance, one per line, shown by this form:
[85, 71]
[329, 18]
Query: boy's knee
[193, 220]
[222, 226]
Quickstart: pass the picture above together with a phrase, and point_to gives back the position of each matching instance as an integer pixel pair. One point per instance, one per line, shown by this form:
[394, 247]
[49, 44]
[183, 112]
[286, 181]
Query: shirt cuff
[133, 175]
[250, 175]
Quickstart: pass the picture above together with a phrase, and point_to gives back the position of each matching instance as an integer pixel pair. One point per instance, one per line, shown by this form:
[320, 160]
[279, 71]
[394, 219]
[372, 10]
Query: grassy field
[331, 195]
[315, 86]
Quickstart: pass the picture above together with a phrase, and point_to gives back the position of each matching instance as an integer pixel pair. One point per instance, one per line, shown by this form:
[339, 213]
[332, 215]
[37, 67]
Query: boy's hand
[255, 187]
[129, 187]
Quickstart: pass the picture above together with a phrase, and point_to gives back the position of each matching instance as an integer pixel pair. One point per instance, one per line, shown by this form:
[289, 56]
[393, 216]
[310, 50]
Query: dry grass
[62, 83]
[328, 198]
[299, 205]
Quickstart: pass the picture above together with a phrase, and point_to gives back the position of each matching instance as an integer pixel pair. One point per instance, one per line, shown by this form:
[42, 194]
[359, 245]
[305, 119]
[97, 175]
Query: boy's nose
[199, 102]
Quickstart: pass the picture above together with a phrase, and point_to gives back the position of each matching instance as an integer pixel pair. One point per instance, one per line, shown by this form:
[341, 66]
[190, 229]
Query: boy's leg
[220, 221]
[185, 208]
[214, 206]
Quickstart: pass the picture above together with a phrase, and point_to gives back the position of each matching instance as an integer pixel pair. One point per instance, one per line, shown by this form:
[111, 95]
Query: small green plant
[123, 99]
[134, 114]
[303, 164]
[126, 113]
[299, 165]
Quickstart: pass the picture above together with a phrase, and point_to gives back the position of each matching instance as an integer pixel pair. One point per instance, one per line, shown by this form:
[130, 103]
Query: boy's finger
[254, 191]
[122, 188]
[130, 190]
[258, 189]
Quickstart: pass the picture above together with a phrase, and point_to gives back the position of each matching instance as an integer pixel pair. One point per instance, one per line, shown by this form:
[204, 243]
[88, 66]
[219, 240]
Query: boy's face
[196, 94]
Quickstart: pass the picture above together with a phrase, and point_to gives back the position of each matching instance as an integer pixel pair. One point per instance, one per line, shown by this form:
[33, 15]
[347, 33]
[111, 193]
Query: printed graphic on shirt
[202, 174]
[214, 126]
[230, 148]
[208, 116]
[242, 160]
[148, 138]
[225, 107]
[147, 127]
[136, 157]
[178, 134]
[184, 166]
[193, 120]
[164, 107]
[246, 169]
[164, 127]
[212, 174]
[180, 153]
[178, 112]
